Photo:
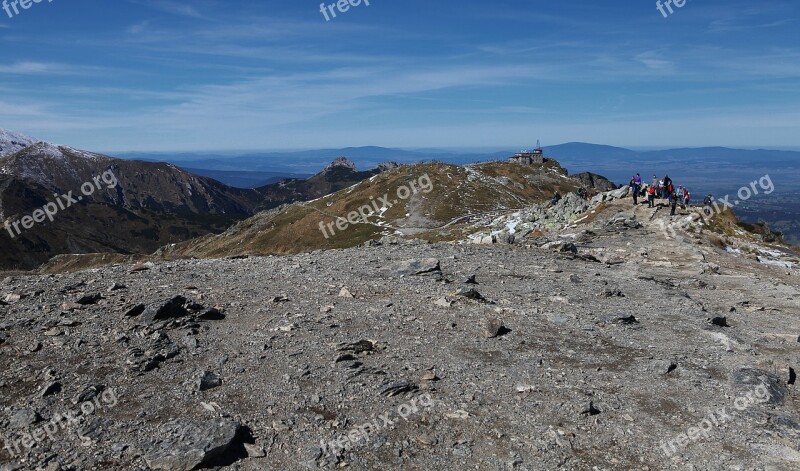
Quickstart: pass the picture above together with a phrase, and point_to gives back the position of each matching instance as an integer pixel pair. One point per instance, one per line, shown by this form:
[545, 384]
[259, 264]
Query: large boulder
[167, 309]
[183, 445]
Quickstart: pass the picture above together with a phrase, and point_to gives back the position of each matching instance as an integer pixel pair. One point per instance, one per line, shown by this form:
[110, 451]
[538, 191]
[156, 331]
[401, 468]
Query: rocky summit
[601, 342]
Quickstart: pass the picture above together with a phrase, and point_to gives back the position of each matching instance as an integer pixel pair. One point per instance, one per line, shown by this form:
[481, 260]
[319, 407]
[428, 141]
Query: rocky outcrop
[596, 182]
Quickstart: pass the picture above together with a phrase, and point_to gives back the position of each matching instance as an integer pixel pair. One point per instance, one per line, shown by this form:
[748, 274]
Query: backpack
[652, 190]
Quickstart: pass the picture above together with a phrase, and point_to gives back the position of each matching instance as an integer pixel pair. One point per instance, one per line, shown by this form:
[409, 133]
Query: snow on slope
[11, 141]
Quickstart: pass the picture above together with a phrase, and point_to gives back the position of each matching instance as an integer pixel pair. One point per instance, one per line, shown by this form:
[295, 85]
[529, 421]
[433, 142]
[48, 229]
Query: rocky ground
[612, 347]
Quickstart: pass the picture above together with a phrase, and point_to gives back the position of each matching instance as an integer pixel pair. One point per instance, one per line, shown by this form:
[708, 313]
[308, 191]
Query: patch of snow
[776, 263]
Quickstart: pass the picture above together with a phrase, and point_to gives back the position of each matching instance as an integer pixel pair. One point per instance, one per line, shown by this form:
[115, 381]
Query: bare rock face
[183, 445]
[341, 162]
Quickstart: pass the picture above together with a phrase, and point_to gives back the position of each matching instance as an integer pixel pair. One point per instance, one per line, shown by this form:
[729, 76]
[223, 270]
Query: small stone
[612, 293]
[167, 309]
[430, 377]
[279, 426]
[630, 320]
[286, 328]
[53, 332]
[141, 267]
[254, 451]
[427, 440]
[470, 280]
[51, 388]
[591, 410]
[345, 293]
[279, 299]
[87, 299]
[443, 302]
[719, 321]
[327, 308]
[469, 293]
[493, 327]
[23, 418]
[116, 286]
[207, 380]
[211, 314]
[414, 267]
[134, 311]
[13, 298]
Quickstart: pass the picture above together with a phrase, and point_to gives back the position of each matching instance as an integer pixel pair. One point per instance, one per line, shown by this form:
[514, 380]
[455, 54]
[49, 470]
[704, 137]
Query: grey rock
[24, 418]
[87, 299]
[51, 388]
[134, 311]
[167, 309]
[414, 267]
[493, 327]
[746, 380]
[183, 445]
[207, 380]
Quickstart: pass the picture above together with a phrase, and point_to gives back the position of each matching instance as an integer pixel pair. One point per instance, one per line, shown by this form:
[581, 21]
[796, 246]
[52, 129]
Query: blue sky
[232, 75]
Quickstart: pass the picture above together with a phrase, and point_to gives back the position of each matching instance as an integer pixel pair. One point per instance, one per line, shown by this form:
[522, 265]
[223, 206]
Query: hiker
[667, 187]
[655, 182]
[680, 193]
[687, 198]
[673, 203]
[707, 204]
[556, 199]
[635, 189]
[651, 197]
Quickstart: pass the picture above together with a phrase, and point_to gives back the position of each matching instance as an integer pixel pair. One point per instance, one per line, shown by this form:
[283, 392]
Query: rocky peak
[341, 162]
[382, 167]
[11, 142]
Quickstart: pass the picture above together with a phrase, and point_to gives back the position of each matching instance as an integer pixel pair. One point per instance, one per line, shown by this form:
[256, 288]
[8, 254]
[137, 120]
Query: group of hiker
[662, 188]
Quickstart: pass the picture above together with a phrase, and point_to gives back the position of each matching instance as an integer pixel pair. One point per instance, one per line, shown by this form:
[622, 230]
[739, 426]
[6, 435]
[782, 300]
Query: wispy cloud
[172, 8]
[46, 68]
[653, 60]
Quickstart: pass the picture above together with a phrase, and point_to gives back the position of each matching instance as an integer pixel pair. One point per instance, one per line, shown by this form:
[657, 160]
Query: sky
[203, 75]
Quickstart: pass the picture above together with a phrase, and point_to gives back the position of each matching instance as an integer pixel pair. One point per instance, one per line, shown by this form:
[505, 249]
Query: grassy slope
[457, 191]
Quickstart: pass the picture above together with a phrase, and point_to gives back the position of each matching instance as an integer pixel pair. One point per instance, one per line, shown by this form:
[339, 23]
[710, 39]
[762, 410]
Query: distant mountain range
[156, 201]
[134, 206]
[709, 169]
